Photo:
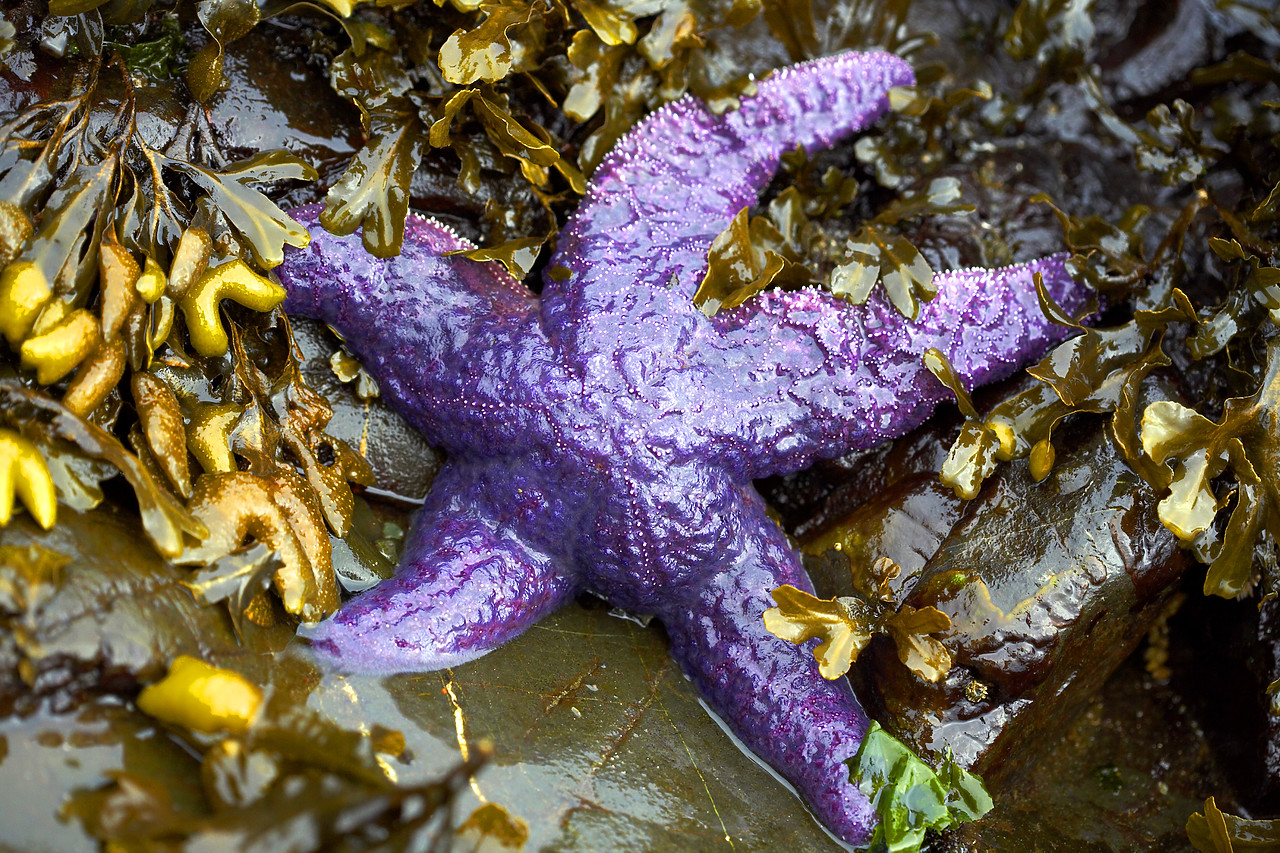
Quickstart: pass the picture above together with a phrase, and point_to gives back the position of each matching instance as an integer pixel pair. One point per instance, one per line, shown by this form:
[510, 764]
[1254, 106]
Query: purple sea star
[604, 436]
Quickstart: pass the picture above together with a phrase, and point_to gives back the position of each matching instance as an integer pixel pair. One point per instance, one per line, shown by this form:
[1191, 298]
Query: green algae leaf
[531, 149]
[686, 48]
[1111, 257]
[1259, 284]
[158, 58]
[909, 796]
[971, 460]
[978, 448]
[374, 191]
[859, 273]
[446, 115]
[941, 197]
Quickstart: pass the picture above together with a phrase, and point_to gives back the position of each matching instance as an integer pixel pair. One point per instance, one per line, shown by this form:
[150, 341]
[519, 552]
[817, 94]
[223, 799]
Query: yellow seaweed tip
[1006, 436]
[202, 697]
[23, 471]
[23, 292]
[209, 435]
[55, 351]
[236, 281]
[152, 282]
[1042, 457]
[343, 8]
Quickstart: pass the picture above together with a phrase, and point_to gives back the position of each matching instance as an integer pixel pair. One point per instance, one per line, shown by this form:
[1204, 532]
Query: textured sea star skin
[604, 436]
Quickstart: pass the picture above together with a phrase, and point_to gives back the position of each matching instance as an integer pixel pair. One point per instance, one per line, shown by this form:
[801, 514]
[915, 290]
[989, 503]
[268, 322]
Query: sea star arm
[450, 341]
[675, 181]
[806, 375]
[468, 582]
[769, 692]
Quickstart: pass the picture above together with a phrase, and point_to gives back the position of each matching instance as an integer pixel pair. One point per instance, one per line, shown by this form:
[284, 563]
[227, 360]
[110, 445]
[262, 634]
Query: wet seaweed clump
[127, 233]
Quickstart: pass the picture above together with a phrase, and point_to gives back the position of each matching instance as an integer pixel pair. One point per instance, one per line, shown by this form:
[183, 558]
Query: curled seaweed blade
[374, 191]
[800, 617]
[1245, 441]
[1215, 831]
[613, 23]
[1097, 371]
[226, 21]
[921, 653]
[743, 260]
[491, 51]
[813, 28]
[262, 226]
[1174, 148]
[876, 253]
[846, 624]
[240, 579]
[518, 255]
[1060, 31]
